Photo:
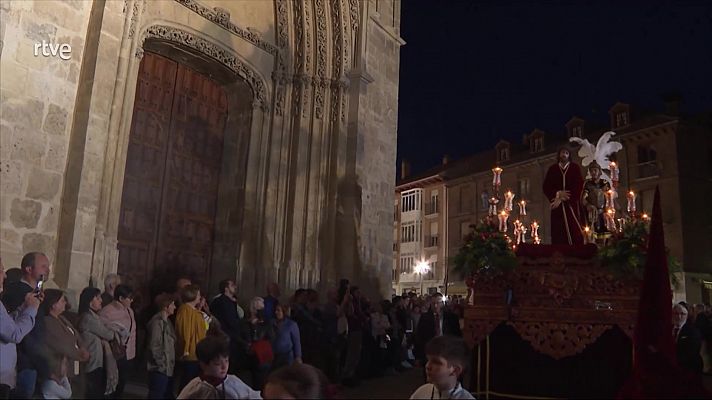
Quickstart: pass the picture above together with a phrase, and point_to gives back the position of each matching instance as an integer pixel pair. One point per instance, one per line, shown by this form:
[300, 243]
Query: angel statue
[597, 184]
[598, 153]
[593, 200]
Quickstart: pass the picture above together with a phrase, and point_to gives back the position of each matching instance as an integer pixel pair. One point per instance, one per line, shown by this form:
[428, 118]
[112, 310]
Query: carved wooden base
[558, 304]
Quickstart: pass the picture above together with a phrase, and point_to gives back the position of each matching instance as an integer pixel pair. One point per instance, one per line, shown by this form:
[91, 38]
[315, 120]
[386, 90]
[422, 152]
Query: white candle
[522, 207]
[586, 235]
[508, 197]
[614, 172]
[503, 216]
[609, 198]
[631, 202]
[496, 178]
[493, 206]
[610, 219]
[535, 232]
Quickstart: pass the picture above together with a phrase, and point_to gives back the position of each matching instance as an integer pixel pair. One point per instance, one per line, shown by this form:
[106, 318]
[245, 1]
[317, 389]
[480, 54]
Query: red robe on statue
[566, 225]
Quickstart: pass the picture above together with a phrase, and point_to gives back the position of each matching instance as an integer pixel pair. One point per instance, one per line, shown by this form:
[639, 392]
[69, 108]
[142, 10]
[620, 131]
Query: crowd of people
[208, 347]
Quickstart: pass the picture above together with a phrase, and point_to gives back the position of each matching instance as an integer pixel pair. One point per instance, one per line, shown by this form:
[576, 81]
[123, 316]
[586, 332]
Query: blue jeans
[160, 386]
[25, 386]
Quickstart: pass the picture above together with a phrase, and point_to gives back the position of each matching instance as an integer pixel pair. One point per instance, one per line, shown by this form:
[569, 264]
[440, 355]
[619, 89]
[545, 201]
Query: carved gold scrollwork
[478, 330]
[557, 339]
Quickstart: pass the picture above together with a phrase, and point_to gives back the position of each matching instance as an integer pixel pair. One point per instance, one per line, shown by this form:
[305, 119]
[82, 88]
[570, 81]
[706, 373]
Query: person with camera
[12, 331]
[35, 268]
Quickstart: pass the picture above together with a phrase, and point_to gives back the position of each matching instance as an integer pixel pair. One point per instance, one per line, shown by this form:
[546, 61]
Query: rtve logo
[64, 50]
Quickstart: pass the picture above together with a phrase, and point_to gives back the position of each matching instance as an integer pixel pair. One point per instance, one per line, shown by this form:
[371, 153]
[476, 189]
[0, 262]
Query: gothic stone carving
[320, 83]
[138, 7]
[178, 36]
[221, 18]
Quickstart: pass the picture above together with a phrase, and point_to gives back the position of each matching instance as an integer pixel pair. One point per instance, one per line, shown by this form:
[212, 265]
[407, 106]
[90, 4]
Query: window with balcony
[433, 206]
[577, 131]
[647, 161]
[410, 201]
[432, 241]
[406, 264]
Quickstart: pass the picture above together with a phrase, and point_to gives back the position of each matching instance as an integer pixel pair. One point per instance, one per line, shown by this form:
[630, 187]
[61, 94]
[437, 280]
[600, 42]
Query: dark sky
[473, 72]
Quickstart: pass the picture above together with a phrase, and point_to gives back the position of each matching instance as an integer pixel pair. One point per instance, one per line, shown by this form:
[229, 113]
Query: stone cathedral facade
[204, 138]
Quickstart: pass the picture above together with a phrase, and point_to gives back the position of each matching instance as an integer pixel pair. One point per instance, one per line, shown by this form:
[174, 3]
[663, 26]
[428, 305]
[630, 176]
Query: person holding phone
[12, 331]
[30, 360]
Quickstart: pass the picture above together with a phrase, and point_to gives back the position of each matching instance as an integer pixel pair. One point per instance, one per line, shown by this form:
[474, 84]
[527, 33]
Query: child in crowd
[213, 354]
[297, 381]
[447, 358]
[57, 386]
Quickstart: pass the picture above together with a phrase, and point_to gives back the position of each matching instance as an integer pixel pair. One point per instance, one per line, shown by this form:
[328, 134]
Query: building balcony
[431, 208]
[431, 241]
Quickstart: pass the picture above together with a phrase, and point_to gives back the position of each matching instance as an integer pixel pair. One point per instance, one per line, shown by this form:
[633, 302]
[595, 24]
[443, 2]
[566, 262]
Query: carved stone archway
[215, 51]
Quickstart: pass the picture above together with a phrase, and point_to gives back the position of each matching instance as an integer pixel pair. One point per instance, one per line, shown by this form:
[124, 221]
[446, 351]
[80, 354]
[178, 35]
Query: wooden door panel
[172, 173]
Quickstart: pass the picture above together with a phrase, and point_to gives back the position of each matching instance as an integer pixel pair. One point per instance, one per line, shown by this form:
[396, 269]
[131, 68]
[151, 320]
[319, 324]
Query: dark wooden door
[168, 205]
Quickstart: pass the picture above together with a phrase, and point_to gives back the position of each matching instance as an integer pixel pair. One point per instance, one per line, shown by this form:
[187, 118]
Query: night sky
[473, 72]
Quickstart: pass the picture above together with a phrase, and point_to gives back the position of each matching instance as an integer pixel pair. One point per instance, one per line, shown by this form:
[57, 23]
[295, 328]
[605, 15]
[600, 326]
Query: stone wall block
[113, 24]
[14, 79]
[25, 113]
[27, 146]
[25, 55]
[11, 176]
[55, 123]
[6, 141]
[97, 134]
[84, 231]
[38, 32]
[43, 185]
[49, 221]
[77, 43]
[25, 213]
[11, 247]
[59, 14]
[73, 75]
[38, 242]
[56, 158]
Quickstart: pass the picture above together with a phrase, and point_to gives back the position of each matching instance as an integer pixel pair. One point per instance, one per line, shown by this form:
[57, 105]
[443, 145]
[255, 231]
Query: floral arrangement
[624, 254]
[486, 251]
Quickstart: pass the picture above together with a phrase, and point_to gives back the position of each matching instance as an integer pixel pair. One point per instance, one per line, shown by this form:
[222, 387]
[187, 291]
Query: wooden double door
[170, 192]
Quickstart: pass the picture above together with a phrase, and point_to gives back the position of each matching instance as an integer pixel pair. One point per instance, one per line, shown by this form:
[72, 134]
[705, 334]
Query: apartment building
[660, 149]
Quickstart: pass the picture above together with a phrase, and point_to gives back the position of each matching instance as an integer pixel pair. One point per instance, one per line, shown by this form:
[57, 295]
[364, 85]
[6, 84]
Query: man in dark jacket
[436, 322]
[224, 308]
[688, 340]
[35, 268]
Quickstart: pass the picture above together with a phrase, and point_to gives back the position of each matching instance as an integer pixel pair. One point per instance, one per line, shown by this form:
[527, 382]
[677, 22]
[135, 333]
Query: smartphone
[40, 282]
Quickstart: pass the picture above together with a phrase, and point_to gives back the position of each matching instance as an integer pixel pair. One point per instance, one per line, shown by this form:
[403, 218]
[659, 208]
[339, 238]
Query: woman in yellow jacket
[191, 328]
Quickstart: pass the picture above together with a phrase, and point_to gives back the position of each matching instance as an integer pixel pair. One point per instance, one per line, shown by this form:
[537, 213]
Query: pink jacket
[115, 312]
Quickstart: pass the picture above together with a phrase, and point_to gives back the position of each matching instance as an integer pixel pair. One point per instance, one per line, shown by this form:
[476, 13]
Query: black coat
[426, 330]
[688, 346]
[225, 310]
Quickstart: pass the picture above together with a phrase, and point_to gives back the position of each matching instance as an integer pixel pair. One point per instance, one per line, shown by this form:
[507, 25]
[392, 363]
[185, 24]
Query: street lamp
[421, 269]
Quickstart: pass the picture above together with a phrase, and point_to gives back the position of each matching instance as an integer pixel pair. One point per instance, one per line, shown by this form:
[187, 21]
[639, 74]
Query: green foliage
[486, 250]
[625, 253]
